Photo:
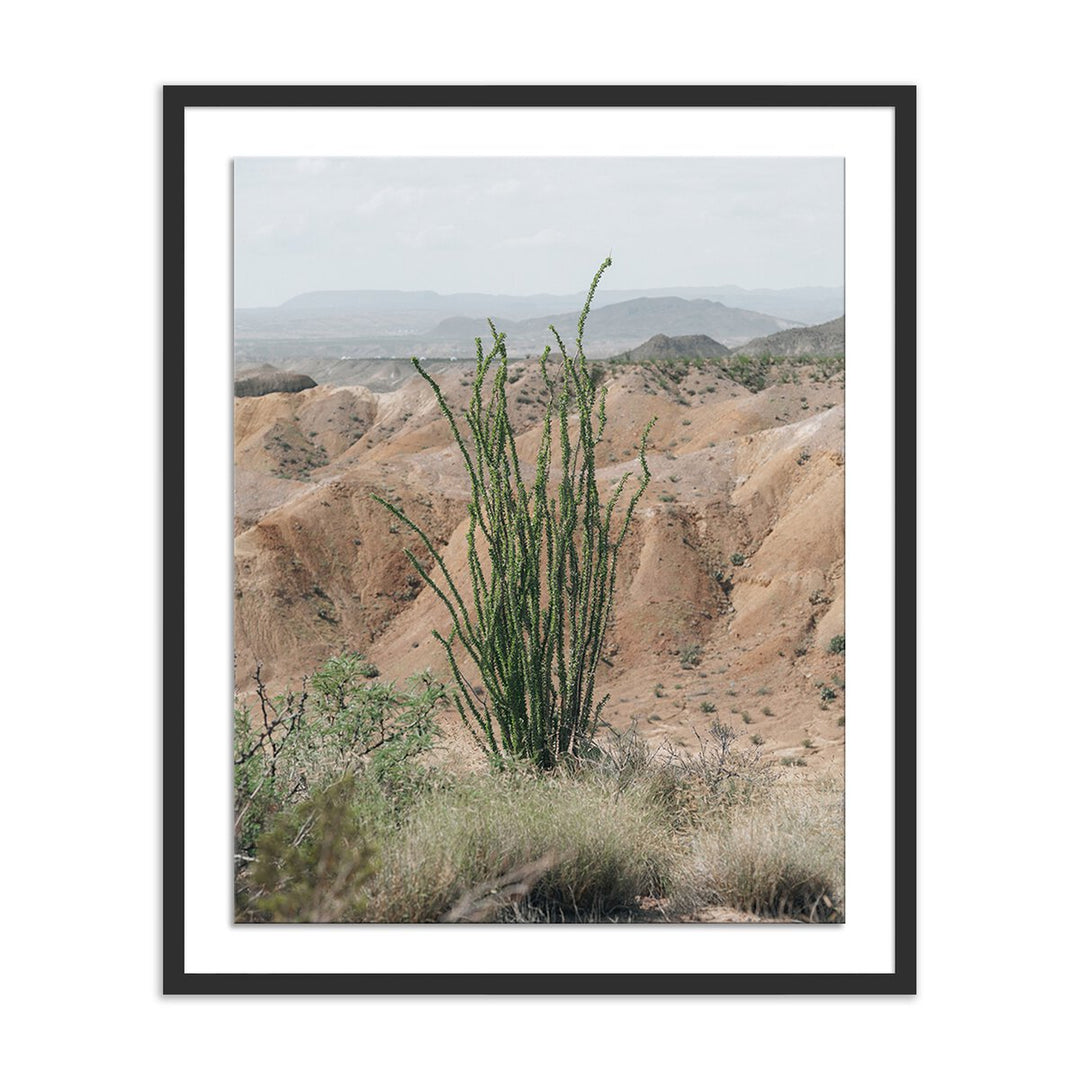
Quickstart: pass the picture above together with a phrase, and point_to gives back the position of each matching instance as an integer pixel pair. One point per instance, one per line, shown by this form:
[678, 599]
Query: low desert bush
[311, 862]
[603, 846]
[690, 656]
[780, 855]
[723, 770]
[289, 746]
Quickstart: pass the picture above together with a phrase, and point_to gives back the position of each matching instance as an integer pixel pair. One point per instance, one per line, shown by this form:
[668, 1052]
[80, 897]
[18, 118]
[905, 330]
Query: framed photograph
[520, 509]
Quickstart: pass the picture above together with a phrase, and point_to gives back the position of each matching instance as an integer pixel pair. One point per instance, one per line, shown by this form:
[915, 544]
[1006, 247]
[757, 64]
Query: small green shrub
[836, 645]
[340, 723]
[737, 559]
[690, 656]
[708, 707]
[313, 860]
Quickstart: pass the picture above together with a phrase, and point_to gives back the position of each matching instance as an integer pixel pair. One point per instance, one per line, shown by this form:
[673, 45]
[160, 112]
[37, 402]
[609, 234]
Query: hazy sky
[527, 225]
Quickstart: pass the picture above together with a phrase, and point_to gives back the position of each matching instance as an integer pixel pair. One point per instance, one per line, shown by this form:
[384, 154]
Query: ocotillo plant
[535, 629]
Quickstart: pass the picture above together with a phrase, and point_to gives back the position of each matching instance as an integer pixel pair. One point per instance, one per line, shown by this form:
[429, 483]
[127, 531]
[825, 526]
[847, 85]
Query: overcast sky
[528, 225]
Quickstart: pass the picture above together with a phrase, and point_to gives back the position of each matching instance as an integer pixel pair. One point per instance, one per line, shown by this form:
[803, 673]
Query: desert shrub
[604, 846]
[725, 771]
[312, 861]
[339, 723]
[656, 771]
[539, 614]
[748, 371]
[781, 855]
[836, 645]
[690, 656]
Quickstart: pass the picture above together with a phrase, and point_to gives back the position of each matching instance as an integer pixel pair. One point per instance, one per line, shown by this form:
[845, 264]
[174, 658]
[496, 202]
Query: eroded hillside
[730, 598]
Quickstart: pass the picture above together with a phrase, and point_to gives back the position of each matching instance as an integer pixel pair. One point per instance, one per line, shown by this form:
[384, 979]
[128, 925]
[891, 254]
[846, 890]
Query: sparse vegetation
[690, 656]
[836, 645]
[582, 842]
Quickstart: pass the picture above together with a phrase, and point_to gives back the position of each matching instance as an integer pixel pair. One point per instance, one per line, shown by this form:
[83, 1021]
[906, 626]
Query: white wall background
[81, 264]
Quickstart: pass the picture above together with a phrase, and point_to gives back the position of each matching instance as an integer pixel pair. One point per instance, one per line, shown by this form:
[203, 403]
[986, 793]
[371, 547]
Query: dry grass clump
[779, 855]
[586, 842]
[603, 847]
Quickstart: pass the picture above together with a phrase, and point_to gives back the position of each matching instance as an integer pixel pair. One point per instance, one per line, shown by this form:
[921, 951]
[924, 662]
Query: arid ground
[729, 605]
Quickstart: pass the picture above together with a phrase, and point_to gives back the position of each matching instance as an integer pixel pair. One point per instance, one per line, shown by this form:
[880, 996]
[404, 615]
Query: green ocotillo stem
[539, 615]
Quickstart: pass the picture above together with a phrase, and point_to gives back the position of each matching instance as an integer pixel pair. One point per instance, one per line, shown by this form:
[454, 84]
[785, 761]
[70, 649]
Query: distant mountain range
[809, 304]
[612, 328]
[386, 323]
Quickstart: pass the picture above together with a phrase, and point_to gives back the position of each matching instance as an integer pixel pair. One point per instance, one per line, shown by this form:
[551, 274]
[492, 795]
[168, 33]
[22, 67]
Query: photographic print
[539, 516]
[524, 494]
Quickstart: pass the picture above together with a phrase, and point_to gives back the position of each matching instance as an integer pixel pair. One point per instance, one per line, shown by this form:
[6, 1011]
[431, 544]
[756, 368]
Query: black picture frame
[901, 101]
